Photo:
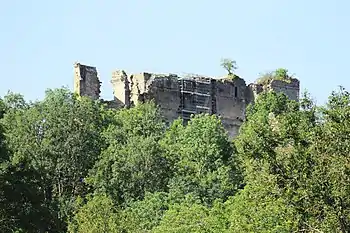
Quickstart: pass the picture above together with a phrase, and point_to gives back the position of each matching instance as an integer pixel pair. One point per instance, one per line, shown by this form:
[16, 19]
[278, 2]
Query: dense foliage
[69, 164]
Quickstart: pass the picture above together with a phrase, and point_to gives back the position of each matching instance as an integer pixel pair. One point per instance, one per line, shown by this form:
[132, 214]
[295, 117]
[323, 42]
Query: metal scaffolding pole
[197, 96]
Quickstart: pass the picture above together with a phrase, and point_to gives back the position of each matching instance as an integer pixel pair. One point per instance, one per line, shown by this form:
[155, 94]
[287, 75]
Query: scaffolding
[197, 96]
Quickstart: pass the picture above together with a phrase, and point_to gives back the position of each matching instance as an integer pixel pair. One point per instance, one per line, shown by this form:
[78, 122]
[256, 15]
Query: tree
[260, 208]
[331, 199]
[192, 217]
[22, 204]
[3, 148]
[229, 65]
[274, 144]
[133, 162]
[281, 73]
[59, 138]
[202, 159]
[96, 216]
[144, 215]
[14, 101]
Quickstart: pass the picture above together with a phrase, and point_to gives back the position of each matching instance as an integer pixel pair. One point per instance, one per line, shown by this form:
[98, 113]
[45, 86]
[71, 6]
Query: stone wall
[86, 81]
[231, 103]
[137, 88]
[162, 88]
[228, 98]
[121, 87]
[290, 88]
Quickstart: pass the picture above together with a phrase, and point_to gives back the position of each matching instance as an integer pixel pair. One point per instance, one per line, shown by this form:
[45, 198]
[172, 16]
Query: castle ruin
[181, 96]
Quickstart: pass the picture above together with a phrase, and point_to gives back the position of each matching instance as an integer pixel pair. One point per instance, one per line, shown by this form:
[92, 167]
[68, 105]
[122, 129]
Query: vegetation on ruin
[230, 66]
[279, 74]
[69, 164]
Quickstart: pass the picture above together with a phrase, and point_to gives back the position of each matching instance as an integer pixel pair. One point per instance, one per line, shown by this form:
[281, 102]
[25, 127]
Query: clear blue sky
[40, 40]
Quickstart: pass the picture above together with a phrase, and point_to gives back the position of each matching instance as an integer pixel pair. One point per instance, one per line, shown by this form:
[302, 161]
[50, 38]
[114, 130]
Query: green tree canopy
[202, 158]
[59, 138]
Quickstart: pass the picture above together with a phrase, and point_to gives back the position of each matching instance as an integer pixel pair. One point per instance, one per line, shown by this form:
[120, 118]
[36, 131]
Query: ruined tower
[290, 87]
[121, 88]
[86, 81]
[231, 103]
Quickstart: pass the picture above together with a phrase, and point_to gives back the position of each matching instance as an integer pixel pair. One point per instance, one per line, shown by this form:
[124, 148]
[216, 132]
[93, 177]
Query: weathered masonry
[86, 82]
[197, 95]
[182, 96]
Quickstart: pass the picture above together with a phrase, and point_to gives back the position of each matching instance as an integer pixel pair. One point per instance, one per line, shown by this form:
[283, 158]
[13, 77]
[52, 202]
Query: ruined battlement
[182, 95]
[86, 81]
[289, 87]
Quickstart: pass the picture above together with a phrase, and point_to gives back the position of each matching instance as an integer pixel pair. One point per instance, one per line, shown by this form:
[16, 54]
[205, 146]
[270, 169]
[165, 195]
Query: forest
[70, 164]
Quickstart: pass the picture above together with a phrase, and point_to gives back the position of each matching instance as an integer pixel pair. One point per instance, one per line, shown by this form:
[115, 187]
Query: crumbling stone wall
[162, 88]
[253, 91]
[231, 103]
[291, 88]
[228, 97]
[86, 81]
[121, 88]
[138, 88]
